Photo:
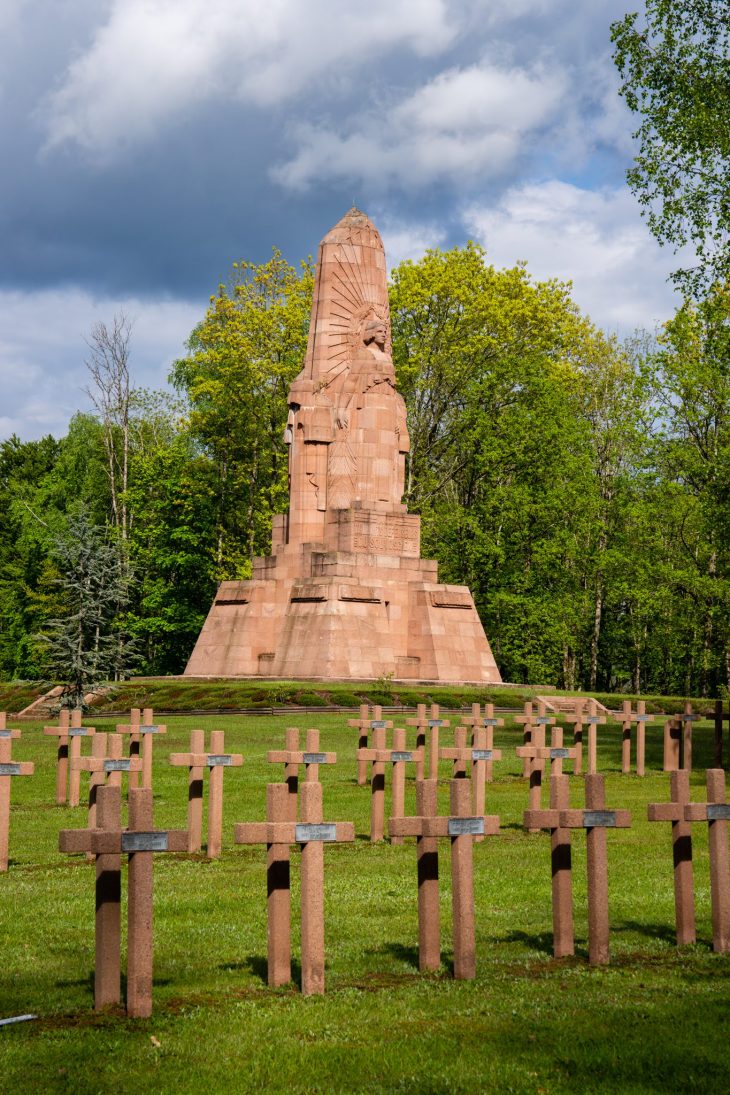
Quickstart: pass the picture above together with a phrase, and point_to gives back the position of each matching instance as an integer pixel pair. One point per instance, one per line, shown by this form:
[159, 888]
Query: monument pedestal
[363, 604]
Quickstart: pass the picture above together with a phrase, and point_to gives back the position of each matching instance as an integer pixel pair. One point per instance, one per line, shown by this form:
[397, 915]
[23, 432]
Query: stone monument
[345, 593]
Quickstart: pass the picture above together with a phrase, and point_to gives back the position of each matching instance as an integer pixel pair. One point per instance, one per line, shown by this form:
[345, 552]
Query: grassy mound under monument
[655, 1019]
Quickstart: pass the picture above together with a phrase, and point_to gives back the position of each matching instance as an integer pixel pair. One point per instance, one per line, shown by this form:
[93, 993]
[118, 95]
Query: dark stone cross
[716, 812]
[428, 726]
[595, 819]
[560, 855]
[141, 735]
[279, 833]
[196, 761]
[379, 755]
[366, 723]
[69, 733]
[8, 770]
[292, 757]
[674, 811]
[461, 828]
[108, 842]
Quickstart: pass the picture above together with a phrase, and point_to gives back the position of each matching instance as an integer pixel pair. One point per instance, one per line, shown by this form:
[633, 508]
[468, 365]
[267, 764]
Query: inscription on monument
[463, 826]
[304, 833]
[144, 842]
[9, 769]
[393, 535]
[314, 758]
[123, 765]
[219, 760]
[594, 819]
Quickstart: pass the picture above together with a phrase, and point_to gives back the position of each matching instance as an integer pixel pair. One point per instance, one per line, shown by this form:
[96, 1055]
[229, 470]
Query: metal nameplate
[481, 754]
[377, 724]
[6, 733]
[490, 722]
[594, 720]
[304, 833]
[649, 718]
[435, 722]
[144, 842]
[466, 826]
[543, 720]
[78, 731]
[9, 769]
[718, 811]
[124, 765]
[559, 754]
[400, 754]
[599, 819]
[153, 728]
[219, 760]
[315, 758]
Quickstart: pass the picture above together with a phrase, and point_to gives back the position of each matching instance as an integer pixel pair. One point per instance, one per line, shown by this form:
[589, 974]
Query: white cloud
[597, 239]
[154, 59]
[465, 122]
[42, 351]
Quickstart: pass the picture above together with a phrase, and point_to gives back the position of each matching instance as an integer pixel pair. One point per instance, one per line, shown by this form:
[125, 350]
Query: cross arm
[541, 819]
[665, 811]
[595, 819]
[707, 811]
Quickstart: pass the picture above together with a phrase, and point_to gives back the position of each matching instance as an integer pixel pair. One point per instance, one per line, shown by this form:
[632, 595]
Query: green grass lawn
[657, 1019]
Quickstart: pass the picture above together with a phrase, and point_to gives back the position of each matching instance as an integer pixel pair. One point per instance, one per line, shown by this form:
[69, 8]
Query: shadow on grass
[409, 955]
[542, 942]
[258, 965]
[663, 932]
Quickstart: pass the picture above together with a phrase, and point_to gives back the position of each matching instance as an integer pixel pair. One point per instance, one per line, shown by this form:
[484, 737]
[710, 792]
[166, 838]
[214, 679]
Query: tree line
[577, 484]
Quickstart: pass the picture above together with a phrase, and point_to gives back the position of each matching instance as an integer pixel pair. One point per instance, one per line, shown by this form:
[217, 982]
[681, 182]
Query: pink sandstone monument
[345, 593]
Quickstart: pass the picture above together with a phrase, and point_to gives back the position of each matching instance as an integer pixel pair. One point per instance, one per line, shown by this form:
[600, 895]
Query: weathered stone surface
[345, 593]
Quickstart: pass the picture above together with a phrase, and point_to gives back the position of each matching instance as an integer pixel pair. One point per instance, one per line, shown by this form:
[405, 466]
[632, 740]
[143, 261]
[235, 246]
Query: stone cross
[292, 757]
[477, 756]
[533, 756]
[379, 756]
[716, 812]
[593, 720]
[69, 733]
[107, 842]
[8, 769]
[576, 719]
[106, 766]
[365, 724]
[487, 722]
[196, 761]
[627, 719]
[719, 718]
[461, 828]
[686, 719]
[672, 738]
[424, 724]
[141, 735]
[279, 833]
[595, 819]
[684, 902]
[560, 853]
[533, 730]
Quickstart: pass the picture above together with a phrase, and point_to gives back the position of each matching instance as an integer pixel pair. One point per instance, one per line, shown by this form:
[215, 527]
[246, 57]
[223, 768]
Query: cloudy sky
[148, 144]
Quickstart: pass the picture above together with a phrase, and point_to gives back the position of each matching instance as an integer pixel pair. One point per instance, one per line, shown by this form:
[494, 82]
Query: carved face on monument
[376, 332]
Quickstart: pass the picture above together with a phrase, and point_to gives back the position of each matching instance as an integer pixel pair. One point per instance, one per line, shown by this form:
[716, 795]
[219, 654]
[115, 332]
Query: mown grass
[656, 1020]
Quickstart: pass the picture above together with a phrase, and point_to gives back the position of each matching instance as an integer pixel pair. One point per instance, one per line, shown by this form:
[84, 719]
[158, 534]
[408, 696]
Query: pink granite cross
[379, 755]
[292, 757]
[461, 827]
[674, 811]
[487, 722]
[595, 819]
[8, 770]
[366, 723]
[627, 718]
[560, 852]
[533, 731]
[197, 760]
[107, 843]
[716, 812]
[69, 733]
[428, 725]
[279, 833]
[142, 732]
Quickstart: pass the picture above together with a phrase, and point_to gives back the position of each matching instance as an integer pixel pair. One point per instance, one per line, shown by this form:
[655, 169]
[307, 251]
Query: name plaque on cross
[78, 731]
[9, 769]
[304, 833]
[144, 842]
[436, 722]
[542, 720]
[718, 811]
[377, 724]
[314, 758]
[123, 765]
[604, 819]
[461, 826]
[482, 754]
[219, 760]
[6, 733]
[559, 754]
[400, 755]
[152, 728]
